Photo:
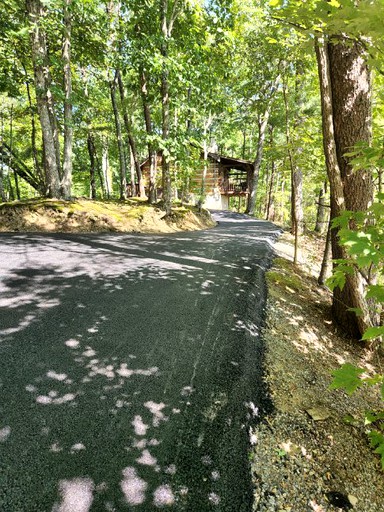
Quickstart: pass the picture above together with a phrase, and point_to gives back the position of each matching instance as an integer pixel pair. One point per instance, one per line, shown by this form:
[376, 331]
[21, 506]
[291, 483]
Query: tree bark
[33, 129]
[131, 139]
[92, 167]
[120, 146]
[66, 182]
[345, 88]
[321, 216]
[166, 175]
[149, 129]
[3, 195]
[262, 127]
[326, 257]
[42, 77]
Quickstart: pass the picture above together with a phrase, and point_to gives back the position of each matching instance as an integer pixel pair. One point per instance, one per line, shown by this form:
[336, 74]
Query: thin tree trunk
[321, 215]
[66, 183]
[15, 176]
[270, 190]
[131, 139]
[92, 167]
[33, 130]
[262, 126]
[149, 130]
[2, 189]
[166, 175]
[263, 123]
[120, 147]
[326, 257]
[106, 170]
[344, 77]
[297, 201]
[44, 96]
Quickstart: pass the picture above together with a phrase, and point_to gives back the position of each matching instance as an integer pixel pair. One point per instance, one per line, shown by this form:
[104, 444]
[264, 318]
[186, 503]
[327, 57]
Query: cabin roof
[245, 166]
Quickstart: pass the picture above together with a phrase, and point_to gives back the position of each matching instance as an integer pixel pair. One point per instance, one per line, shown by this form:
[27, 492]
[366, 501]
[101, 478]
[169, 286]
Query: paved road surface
[130, 368]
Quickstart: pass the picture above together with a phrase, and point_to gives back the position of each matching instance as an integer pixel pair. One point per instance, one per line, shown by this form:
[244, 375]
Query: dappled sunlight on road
[129, 365]
[76, 495]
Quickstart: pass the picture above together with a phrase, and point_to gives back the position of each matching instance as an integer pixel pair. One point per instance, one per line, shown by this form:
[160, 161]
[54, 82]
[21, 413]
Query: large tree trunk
[66, 183]
[120, 146]
[345, 88]
[44, 96]
[131, 139]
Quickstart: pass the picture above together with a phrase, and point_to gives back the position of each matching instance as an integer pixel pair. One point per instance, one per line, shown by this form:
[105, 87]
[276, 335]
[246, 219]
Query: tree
[66, 182]
[346, 110]
[44, 96]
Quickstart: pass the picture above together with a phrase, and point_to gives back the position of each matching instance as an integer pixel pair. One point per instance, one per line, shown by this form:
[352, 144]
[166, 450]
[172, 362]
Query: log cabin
[216, 181]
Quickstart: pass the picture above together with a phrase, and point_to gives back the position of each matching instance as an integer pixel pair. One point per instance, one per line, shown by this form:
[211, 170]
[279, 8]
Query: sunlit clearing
[76, 495]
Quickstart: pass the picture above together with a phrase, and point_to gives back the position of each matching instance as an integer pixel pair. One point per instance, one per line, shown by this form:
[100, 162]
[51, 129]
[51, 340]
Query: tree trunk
[297, 211]
[106, 169]
[167, 188]
[262, 126]
[263, 123]
[66, 182]
[270, 191]
[321, 216]
[36, 160]
[149, 129]
[120, 146]
[131, 140]
[44, 96]
[92, 167]
[15, 176]
[345, 88]
[3, 195]
[326, 257]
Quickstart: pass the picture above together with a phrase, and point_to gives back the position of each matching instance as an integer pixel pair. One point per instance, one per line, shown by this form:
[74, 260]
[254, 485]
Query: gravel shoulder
[305, 456]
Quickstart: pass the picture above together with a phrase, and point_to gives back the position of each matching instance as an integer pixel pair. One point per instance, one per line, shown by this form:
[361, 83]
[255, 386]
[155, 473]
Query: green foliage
[350, 378]
[364, 245]
[347, 377]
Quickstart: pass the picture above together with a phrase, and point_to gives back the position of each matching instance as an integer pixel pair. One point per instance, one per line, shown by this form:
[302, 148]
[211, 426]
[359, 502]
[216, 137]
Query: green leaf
[373, 332]
[376, 291]
[347, 378]
[357, 311]
[377, 441]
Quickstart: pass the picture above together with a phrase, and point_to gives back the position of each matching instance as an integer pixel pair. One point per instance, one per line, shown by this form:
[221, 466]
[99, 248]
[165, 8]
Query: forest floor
[83, 215]
[306, 456]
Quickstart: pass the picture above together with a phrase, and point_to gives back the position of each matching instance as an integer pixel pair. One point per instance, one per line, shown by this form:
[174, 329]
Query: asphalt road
[130, 368]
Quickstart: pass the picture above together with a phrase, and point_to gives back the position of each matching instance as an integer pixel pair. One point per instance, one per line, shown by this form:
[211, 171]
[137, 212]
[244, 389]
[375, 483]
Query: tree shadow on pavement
[130, 371]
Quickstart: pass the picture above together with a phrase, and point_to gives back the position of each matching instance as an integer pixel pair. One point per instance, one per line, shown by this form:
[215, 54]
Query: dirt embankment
[83, 215]
[307, 456]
